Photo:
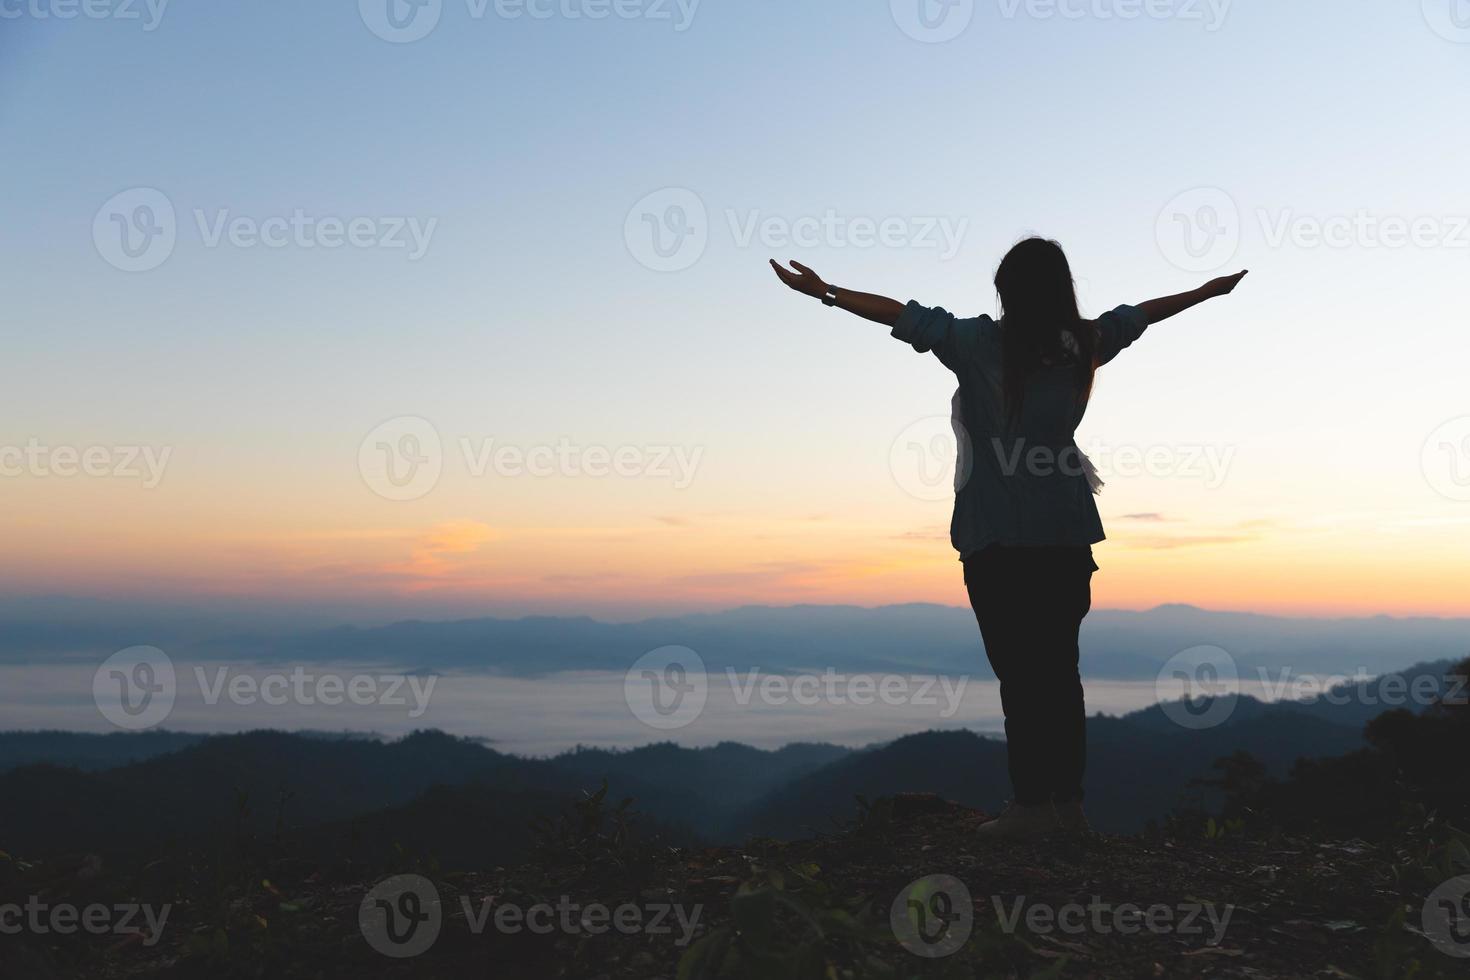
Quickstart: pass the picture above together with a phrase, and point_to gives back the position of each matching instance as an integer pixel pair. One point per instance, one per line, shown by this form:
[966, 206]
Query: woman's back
[1020, 478]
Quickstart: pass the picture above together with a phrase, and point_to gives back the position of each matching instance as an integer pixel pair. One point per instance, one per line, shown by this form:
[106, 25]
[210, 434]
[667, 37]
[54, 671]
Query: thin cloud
[1166, 542]
[574, 578]
[441, 546]
[924, 534]
[772, 573]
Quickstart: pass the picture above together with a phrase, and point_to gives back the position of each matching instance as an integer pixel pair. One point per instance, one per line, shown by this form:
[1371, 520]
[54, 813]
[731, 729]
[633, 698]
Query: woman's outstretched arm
[879, 309]
[1156, 310]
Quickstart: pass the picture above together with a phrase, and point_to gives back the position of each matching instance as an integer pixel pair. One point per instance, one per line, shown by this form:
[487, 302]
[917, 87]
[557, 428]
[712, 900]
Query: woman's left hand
[1225, 285]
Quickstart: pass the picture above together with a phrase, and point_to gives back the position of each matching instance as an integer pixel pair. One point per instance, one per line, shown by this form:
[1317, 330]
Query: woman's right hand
[869, 306]
[803, 280]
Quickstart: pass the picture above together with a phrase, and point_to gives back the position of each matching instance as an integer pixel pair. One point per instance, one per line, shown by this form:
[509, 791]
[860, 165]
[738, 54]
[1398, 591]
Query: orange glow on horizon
[662, 566]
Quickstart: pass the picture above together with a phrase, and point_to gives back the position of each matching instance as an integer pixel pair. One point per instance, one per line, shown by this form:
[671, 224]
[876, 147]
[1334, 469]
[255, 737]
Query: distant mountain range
[930, 639]
[460, 801]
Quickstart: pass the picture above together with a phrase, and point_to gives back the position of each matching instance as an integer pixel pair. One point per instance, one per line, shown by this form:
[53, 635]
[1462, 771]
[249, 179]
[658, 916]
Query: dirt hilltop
[595, 905]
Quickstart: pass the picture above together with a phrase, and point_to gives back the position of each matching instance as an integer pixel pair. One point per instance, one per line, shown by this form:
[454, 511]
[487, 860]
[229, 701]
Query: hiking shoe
[1017, 822]
[1072, 817]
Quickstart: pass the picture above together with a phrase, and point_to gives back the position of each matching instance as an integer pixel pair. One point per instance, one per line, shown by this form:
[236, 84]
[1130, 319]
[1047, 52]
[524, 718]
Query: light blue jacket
[1022, 484]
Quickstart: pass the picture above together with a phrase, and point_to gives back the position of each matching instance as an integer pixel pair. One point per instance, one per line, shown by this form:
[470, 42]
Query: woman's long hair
[1038, 310]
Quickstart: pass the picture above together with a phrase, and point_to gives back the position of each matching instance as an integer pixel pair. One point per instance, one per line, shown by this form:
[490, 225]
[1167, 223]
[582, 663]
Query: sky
[463, 308]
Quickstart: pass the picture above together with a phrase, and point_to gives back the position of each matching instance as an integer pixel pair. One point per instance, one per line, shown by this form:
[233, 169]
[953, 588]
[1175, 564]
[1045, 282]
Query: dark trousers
[1030, 603]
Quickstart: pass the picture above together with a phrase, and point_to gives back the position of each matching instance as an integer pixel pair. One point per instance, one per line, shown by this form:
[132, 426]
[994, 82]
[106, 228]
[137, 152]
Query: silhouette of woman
[1024, 517]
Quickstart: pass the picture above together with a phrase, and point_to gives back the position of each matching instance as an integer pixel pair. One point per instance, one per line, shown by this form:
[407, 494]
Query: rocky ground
[1094, 906]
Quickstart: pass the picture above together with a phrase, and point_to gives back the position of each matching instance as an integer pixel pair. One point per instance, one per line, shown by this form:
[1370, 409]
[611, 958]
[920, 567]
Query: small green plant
[1220, 829]
[789, 924]
[590, 830]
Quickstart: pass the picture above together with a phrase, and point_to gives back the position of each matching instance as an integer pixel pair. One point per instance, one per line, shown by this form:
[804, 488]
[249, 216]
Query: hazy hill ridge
[916, 638]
